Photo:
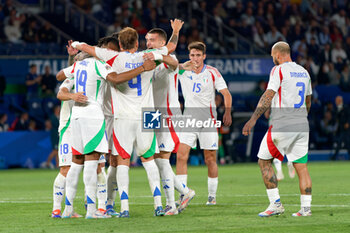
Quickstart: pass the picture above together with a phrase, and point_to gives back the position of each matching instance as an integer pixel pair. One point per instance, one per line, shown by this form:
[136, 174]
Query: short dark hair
[108, 39]
[32, 65]
[128, 38]
[197, 45]
[160, 32]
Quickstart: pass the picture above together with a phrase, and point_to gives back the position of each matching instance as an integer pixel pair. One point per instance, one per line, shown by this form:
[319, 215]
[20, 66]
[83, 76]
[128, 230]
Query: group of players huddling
[104, 91]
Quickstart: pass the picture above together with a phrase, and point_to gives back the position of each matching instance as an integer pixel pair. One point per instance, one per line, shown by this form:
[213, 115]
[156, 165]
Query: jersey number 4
[81, 81]
[301, 93]
[136, 85]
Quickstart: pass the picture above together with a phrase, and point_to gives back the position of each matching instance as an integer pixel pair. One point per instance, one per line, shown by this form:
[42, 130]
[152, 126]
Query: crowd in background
[16, 27]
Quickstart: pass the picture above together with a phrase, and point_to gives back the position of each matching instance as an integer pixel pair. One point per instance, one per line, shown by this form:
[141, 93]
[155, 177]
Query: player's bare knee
[64, 170]
[210, 161]
[113, 161]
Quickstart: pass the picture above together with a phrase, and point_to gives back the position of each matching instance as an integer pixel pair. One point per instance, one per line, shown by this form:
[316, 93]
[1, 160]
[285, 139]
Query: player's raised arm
[263, 105]
[126, 76]
[71, 52]
[82, 46]
[228, 105]
[176, 25]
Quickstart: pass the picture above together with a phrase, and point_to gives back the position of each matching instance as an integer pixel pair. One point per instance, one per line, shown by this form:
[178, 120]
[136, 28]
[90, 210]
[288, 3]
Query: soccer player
[64, 150]
[88, 122]
[277, 162]
[289, 96]
[165, 92]
[128, 100]
[198, 88]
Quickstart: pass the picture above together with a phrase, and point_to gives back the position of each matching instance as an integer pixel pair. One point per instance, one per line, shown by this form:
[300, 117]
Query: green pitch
[26, 203]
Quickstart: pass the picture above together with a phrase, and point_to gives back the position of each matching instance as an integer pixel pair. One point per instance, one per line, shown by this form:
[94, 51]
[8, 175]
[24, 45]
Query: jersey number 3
[301, 93]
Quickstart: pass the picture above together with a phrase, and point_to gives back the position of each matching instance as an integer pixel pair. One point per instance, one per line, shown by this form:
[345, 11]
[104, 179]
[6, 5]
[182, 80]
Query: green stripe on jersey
[64, 129]
[149, 50]
[181, 72]
[95, 141]
[302, 159]
[97, 71]
[152, 149]
[98, 87]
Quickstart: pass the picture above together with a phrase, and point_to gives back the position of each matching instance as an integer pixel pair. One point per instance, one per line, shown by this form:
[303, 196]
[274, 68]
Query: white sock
[167, 176]
[273, 195]
[182, 179]
[305, 201]
[72, 184]
[212, 186]
[154, 181]
[58, 191]
[179, 186]
[90, 181]
[112, 186]
[101, 189]
[278, 165]
[123, 186]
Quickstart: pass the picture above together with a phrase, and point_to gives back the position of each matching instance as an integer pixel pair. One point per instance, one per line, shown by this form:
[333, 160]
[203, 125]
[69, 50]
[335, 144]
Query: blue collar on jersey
[205, 66]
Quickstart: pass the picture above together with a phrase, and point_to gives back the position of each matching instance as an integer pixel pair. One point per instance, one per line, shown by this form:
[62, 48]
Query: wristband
[157, 56]
[75, 43]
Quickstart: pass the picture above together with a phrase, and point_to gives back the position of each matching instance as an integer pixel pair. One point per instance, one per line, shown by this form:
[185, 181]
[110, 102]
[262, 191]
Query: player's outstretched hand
[176, 24]
[248, 127]
[71, 51]
[148, 56]
[188, 65]
[80, 97]
[227, 118]
[149, 65]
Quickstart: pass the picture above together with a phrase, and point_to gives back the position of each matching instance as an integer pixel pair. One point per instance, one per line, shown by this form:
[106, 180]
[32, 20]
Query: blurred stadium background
[238, 35]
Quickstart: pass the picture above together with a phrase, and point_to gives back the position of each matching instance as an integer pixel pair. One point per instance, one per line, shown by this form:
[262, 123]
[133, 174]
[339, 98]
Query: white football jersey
[130, 97]
[89, 77]
[107, 105]
[66, 106]
[199, 89]
[292, 84]
[165, 88]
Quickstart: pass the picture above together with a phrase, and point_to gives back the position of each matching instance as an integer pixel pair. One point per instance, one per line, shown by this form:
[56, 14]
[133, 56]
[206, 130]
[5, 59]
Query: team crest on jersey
[151, 119]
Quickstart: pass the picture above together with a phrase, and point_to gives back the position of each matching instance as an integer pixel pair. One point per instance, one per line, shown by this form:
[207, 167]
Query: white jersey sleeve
[309, 88]
[69, 71]
[105, 54]
[219, 81]
[68, 83]
[275, 80]
[103, 69]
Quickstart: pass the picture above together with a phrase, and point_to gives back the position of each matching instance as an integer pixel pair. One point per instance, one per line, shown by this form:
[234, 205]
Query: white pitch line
[192, 203]
[150, 196]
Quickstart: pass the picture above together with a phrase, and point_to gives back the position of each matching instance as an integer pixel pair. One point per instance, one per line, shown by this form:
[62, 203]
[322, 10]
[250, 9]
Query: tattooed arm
[176, 26]
[263, 105]
[308, 103]
[71, 52]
